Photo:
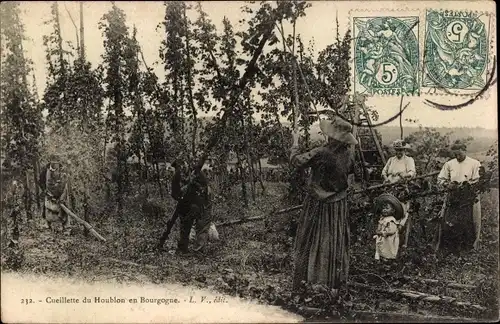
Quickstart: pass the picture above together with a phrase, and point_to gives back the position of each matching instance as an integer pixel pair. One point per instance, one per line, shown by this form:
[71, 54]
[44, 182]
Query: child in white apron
[391, 221]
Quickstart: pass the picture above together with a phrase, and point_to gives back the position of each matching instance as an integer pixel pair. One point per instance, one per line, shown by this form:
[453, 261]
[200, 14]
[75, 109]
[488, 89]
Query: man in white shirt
[397, 168]
[455, 172]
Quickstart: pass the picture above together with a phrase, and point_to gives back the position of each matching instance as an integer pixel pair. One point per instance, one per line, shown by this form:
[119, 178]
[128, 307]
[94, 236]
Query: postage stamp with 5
[386, 55]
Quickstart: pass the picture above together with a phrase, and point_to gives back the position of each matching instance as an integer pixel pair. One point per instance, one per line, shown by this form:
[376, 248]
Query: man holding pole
[461, 224]
[193, 206]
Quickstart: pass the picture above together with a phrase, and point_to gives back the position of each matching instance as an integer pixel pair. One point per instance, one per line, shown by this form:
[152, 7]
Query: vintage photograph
[249, 161]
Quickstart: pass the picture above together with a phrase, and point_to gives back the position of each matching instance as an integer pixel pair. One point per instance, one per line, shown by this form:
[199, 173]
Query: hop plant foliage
[22, 123]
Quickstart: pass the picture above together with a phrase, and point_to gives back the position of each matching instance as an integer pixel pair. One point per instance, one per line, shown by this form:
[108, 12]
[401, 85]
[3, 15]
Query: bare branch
[142, 56]
[76, 28]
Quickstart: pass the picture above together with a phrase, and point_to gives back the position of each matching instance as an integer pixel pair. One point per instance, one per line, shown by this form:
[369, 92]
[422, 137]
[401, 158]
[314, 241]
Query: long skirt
[458, 232]
[322, 243]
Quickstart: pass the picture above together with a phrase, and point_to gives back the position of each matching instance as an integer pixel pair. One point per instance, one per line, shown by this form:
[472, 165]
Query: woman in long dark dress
[322, 242]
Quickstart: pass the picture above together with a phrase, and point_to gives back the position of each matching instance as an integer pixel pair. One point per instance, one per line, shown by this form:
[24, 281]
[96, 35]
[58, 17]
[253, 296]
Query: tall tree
[172, 53]
[73, 98]
[237, 136]
[212, 90]
[58, 69]
[136, 139]
[36, 158]
[190, 57]
[116, 40]
[21, 119]
[82, 34]
[284, 90]
[73, 95]
[333, 71]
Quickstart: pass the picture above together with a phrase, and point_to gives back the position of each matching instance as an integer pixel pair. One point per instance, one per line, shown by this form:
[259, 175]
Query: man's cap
[458, 146]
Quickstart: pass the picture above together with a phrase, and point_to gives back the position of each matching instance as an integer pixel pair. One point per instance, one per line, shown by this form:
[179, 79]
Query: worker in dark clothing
[55, 184]
[193, 206]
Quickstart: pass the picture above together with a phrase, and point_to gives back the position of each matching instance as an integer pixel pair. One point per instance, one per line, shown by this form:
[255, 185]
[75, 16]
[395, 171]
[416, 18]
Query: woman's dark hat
[383, 199]
[338, 129]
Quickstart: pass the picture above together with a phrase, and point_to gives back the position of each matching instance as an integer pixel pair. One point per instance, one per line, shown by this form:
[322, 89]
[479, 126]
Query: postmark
[456, 52]
[386, 55]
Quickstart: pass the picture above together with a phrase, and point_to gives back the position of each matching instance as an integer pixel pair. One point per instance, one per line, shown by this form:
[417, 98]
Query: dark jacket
[196, 193]
[330, 167]
[54, 182]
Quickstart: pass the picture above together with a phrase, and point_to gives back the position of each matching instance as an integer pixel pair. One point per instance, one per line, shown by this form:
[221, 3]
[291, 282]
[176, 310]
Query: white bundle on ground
[213, 234]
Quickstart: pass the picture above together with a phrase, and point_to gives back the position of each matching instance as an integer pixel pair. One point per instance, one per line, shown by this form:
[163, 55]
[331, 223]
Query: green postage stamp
[455, 51]
[386, 55]
[424, 51]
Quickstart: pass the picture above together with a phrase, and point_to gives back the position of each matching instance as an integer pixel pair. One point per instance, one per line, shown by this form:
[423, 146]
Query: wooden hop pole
[84, 223]
[295, 87]
[384, 185]
[296, 65]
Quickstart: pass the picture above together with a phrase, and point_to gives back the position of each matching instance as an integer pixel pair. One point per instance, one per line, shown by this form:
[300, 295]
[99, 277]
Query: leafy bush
[82, 155]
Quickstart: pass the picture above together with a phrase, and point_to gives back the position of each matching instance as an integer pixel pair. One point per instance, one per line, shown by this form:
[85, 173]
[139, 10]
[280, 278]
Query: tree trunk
[260, 177]
[126, 179]
[224, 181]
[108, 186]
[146, 170]
[36, 171]
[85, 209]
[108, 191]
[295, 87]
[27, 196]
[71, 195]
[243, 182]
[158, 180]
[253, 180]
[82, 40]
[247, 156]
[105, 141]
[290, 88]
[140, 171]
[15, 224]
[59, 40]
[189, 87]
[119, 184]
[175, 120]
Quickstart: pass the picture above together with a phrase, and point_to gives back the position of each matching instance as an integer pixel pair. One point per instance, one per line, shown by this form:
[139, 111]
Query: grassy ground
[252, 260]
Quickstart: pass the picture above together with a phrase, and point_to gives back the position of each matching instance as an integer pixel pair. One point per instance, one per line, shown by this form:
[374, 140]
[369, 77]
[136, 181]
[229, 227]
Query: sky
[318, 26]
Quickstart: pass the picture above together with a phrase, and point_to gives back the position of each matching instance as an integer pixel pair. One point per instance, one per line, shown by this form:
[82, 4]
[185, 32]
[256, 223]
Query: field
[253, 260]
